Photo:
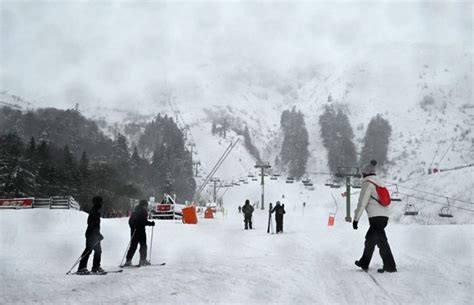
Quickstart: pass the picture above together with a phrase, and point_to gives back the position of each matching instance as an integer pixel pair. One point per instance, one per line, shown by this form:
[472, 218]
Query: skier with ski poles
[93, 238]
[375, 199]
[247, 209]
[137, 222]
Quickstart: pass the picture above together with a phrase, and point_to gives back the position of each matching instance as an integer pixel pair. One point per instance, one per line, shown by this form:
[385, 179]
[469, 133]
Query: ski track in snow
[218, 262]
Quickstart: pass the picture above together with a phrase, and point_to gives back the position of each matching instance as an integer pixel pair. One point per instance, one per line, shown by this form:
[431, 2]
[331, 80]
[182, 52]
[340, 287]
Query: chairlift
[335, 185]
[251, 175]
[290, 180]
[254, 179]
[311, 188]
[246, 182]
[308, 184]
[306, 180]
[328, 182]
[395, 196]
[411, 209]
[445, 211]
[273, 177]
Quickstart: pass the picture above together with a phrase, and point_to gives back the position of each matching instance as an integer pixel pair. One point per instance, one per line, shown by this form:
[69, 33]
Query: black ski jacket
[279, 210]
[247, 209]
[93, 225]
[139, 219]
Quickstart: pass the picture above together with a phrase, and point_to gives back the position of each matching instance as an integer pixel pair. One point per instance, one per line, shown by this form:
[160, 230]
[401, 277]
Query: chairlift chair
[308, 184]
[273, 177]
[410, 209]
[335, 185]
[395, 196]
[445, 211]
[328, 182]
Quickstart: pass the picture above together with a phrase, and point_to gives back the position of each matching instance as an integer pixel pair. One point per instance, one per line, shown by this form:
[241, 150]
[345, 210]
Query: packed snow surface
[216, 261]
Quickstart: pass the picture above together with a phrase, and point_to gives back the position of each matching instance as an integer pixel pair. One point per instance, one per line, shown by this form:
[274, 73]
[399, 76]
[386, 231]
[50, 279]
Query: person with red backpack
[375, 199]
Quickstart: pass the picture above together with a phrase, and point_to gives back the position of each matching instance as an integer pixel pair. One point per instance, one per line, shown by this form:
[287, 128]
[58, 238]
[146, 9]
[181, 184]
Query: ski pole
[128, 247]
[83, 255]
[151, 241]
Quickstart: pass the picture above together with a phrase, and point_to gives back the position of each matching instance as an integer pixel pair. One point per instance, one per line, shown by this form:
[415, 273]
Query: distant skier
[137, 222]
[247, 209]
[378, 218]
[240, 209]
[93, 238]
[279, 212]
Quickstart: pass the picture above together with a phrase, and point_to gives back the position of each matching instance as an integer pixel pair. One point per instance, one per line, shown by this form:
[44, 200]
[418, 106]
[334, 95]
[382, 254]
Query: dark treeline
[294, 151]
[338, 139]
[50, 152]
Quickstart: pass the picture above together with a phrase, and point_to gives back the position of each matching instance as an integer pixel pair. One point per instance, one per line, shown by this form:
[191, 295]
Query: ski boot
[128, 263]
[98, 270]
[83, 271]
[144, 262]
[389, 270]
[358, 264]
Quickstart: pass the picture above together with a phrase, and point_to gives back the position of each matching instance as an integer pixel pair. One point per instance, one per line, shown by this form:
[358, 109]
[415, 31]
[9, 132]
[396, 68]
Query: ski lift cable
[436, 202]
[429, 193]
[447, 150]
[435, 154]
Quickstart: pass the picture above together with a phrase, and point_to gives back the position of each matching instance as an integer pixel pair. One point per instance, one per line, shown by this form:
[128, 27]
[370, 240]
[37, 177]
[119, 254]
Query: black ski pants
[376, 237]
[92, 244]
[279, 223]
[248, 222]
[138, 238]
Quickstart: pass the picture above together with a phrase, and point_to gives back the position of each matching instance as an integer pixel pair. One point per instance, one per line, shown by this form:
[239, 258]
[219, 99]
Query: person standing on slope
[279, 212]
[93, 238]
[378, 218]
[247, 209]
[137, 222]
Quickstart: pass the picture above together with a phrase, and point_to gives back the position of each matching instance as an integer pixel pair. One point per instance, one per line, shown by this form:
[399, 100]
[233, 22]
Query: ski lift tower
[348, 172]
[215, 181]
[263, 165]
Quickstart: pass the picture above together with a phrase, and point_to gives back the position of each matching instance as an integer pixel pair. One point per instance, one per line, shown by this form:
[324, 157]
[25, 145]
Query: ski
[138, 266]
[269, 218]
[96, 273]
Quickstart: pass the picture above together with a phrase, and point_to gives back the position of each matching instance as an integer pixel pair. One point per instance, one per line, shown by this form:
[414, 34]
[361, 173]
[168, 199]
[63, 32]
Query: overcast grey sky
[62, 52]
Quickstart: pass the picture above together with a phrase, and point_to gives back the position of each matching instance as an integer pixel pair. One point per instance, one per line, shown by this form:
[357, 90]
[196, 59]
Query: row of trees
[294, 150]
[75, 158]
[338, 139]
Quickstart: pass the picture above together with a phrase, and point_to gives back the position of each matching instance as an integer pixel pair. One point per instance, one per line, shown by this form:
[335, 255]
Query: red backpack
[384, 194]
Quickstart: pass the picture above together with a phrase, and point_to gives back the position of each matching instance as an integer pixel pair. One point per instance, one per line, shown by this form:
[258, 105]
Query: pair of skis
[119, 270]
[270, 224]
[139, 266]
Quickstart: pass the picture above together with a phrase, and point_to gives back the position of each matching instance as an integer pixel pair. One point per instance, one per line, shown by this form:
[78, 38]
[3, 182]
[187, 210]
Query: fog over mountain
[119, 54]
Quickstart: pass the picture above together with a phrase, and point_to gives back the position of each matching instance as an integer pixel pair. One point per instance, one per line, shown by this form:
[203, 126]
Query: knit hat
[369, 169]
[97, 202]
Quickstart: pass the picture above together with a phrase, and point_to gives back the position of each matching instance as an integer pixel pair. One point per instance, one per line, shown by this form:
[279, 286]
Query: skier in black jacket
[279, 212]
[247, 209]
[93, 238]
[138, 220]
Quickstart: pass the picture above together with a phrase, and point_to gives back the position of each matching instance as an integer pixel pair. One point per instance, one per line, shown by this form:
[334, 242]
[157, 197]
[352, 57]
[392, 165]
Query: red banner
[17, 203]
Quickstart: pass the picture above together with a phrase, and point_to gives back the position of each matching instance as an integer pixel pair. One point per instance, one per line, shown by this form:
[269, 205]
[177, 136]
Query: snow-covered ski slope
[218, 262]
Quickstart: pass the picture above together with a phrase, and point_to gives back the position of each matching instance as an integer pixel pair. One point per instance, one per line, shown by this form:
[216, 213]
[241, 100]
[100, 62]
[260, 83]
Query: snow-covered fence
[57, 202]
[42, 203]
